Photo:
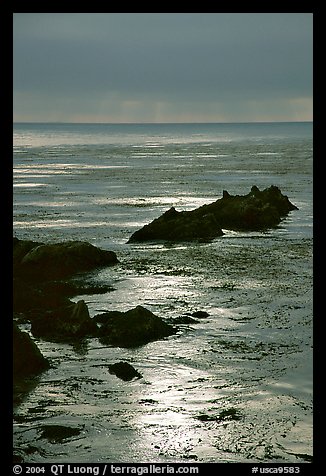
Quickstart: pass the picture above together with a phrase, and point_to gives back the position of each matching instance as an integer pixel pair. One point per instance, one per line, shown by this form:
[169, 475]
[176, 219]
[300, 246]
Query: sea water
[233, 387]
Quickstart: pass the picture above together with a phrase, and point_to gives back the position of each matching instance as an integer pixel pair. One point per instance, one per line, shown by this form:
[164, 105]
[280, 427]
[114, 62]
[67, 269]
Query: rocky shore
[212, 382]
[46, 276]
[45, 280]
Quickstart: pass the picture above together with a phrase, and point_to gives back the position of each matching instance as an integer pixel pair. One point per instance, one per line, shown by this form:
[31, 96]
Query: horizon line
[161, 123]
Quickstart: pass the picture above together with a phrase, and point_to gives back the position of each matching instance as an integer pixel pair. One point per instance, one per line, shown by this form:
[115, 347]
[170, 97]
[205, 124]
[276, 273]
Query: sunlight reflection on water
[250, 356]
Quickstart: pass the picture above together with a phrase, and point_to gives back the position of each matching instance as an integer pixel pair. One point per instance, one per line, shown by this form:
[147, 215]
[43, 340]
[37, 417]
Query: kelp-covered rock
[58, 260]
[133, 328]
[27, 358]
[258, 210]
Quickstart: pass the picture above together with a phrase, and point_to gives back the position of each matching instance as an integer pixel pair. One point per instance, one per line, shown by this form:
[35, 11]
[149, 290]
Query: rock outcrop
[180, 226]
[133, 328]
[258, 210]
[65, 323]
[44, 280]
[27, 358]
[59, 260]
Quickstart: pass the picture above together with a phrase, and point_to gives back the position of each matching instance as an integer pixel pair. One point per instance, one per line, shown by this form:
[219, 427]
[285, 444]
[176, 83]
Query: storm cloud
[158, 67]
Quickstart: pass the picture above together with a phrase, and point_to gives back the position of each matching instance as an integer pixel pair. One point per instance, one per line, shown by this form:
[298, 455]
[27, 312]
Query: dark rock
[58, 433]
[29, 296]
[105, 317]
[43, 284]
[27, 358]
[59, 260]
[64, 324]
[180, 226]
[205, 417]
[183, 320]
[258, 210]
[124, 371]
[200, 314]
[133, 328]
[189, 318]
[49, 295]
[21, 248]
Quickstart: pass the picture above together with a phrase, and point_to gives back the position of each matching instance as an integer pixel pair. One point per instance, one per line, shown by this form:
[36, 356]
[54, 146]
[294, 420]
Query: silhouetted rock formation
[133, 328]
[27, 358]
[180, 226]
[258, 210]
[39, 261]
[124, 371]
[66, 323]
[42, 286]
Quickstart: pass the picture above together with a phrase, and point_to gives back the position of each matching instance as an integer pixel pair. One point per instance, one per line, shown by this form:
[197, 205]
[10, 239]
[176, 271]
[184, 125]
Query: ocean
[251, 357]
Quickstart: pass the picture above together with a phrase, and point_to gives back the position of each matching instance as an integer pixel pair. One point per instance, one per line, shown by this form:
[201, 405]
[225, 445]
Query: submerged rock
[200, 314]
[124, 371]
[183, 320]
[258, 210]
[58, 433]
[133, 328]
[27, 358]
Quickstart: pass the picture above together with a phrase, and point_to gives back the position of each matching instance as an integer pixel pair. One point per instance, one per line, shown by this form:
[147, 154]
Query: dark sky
[162, 67]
